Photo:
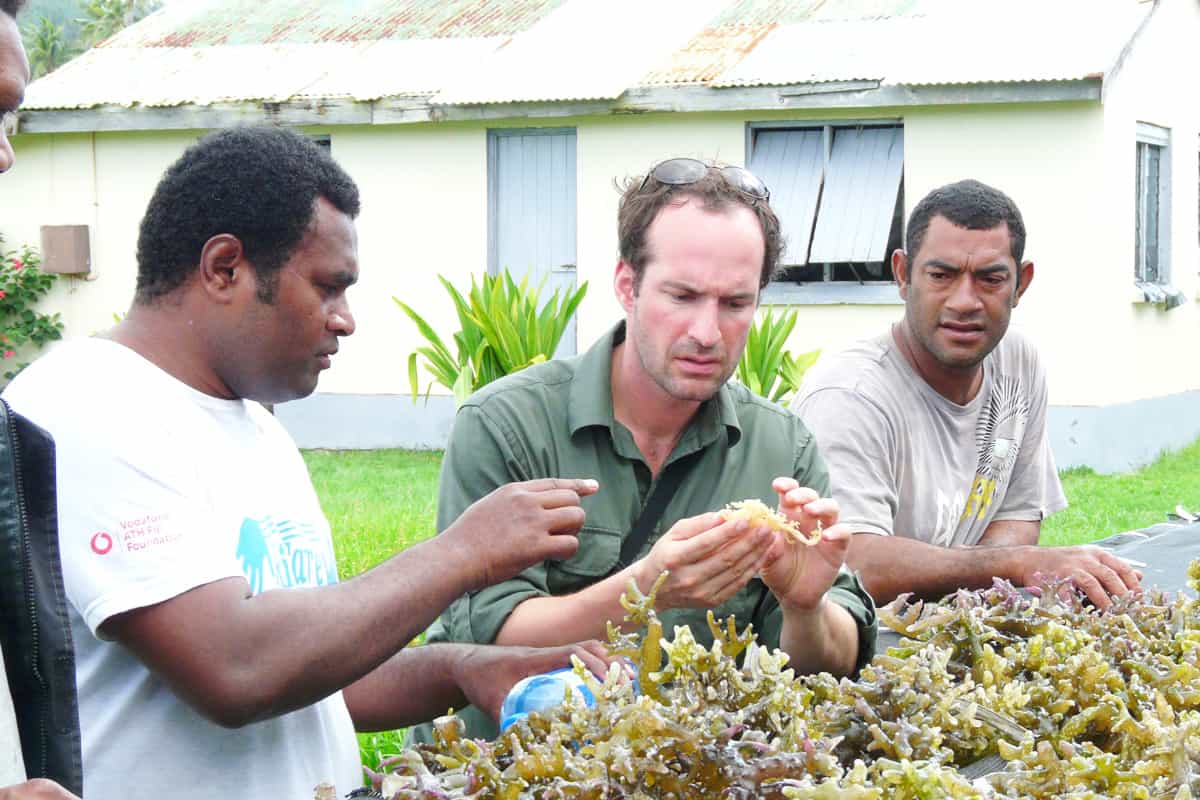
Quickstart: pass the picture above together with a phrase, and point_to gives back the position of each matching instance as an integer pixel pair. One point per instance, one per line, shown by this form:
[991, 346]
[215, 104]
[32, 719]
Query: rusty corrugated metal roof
[709, 53]
[316, 21]
[584, 50]
[173, 76]
[510, 51]
[946, 42]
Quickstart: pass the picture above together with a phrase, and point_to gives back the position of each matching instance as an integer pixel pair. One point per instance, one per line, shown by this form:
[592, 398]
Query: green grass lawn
[382, 501]
[378, 502]
[1106, 504]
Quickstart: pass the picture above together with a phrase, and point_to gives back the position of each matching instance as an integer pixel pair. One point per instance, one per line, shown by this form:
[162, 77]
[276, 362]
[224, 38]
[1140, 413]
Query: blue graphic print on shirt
[283, 553]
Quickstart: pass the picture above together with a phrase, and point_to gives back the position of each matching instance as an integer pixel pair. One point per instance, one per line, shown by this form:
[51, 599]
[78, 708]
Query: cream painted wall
[100, 180]
[424, 188]
[424, 213]
[1144, 350]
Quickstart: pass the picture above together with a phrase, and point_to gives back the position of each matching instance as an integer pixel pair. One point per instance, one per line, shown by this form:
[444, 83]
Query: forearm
[413, 686]
[891, 565]
[238, 658]
[1011, 533]
[823, 639]
[547, 621]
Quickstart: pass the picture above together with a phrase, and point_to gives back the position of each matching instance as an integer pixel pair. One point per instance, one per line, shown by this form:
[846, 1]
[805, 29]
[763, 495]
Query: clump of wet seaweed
[1070, 702]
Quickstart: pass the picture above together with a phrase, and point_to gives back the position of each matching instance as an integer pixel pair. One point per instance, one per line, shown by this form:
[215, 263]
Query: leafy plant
[22, 285]
[765, 367]
[104, 18]
[504, 327]
[48, 47]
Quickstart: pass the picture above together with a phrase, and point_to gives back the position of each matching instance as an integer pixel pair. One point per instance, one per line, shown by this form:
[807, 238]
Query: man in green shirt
[649, 403]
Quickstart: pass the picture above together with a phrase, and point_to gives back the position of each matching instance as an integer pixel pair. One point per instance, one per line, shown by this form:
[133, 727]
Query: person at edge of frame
[39, 719]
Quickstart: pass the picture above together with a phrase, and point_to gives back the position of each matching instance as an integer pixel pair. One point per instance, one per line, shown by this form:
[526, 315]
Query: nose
[963, 298]
[341, 321]
[6, 151]
[705, 328]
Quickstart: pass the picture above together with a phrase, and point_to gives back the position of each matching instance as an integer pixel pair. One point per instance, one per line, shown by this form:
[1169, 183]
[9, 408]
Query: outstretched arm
[420, 683]
[239, 658]
[892, 565]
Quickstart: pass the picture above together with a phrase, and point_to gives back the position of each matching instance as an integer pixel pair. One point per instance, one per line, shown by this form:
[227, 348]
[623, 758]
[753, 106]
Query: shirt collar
[591, 400]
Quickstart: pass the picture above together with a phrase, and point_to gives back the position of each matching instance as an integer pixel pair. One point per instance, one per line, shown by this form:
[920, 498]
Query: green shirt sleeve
[480, 457]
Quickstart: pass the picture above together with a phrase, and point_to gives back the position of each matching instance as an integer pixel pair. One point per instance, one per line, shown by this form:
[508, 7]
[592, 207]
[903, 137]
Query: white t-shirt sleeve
[857, 442]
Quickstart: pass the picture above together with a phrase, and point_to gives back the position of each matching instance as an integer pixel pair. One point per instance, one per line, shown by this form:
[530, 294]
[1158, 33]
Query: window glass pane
[1139, 217]
[859, 200]
[790, 163]
[1153, 161]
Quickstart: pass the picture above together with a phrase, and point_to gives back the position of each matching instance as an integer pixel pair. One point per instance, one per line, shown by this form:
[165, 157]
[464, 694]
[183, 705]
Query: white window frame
[1151, 138]
[829, 292]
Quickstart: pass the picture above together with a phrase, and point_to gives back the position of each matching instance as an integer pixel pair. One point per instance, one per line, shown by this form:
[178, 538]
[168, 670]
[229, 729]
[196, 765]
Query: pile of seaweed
[1069, 702]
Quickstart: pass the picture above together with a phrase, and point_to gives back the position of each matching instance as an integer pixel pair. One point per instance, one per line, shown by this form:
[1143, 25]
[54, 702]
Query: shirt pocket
[599, 551]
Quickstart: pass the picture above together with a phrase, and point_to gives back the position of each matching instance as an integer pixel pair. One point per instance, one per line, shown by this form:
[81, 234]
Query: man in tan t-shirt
[935, 431]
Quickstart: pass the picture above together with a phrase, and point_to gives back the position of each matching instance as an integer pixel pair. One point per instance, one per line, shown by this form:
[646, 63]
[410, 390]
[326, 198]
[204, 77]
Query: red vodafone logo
[101, 543]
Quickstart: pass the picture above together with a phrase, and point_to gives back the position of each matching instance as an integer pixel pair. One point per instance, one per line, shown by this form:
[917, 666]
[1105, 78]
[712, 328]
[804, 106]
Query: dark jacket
[39, 661]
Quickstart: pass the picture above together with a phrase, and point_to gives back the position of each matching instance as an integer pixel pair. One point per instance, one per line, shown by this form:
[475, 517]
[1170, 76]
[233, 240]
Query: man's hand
[708, 559]
[800, 575]
[519, 525]
[36, 789]
[1098, 573]
[487, 672]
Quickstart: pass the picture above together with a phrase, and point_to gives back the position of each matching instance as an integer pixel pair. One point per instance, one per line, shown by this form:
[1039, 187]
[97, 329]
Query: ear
[1024, 278]
[223, 267]
[624, 285]
[900, 271]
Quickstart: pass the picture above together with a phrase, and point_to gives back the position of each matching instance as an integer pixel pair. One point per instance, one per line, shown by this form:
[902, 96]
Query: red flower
[9, 354]
[3, 294]
[18, 263]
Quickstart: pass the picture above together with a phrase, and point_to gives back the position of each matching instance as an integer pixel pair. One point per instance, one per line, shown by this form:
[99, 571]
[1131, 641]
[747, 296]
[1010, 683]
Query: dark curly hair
[640, 205]
[259, 184]
[968, 204]
[11, 7]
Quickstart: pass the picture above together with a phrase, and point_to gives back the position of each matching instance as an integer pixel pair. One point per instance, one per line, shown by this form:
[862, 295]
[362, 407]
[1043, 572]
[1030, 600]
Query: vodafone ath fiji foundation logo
[102, 543]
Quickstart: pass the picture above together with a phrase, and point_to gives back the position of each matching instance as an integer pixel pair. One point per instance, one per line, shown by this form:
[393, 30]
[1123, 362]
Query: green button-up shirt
[556, 420]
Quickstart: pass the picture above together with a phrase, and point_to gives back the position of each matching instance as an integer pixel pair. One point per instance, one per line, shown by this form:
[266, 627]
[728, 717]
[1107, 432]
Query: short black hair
[11, 7]
[968, 204]
[260, 184]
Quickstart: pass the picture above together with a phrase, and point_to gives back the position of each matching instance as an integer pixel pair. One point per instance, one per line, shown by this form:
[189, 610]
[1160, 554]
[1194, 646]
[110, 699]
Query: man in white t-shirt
[39, 726]
[217, 653]
[935, 431]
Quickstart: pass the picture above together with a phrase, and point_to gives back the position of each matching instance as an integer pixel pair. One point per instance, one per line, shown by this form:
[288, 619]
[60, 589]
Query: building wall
[424, 187]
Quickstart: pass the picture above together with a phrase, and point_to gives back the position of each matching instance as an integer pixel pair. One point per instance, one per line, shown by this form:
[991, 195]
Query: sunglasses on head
[684, 171]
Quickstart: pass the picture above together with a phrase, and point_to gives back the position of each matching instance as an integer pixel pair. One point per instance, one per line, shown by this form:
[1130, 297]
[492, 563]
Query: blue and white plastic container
[542, 691]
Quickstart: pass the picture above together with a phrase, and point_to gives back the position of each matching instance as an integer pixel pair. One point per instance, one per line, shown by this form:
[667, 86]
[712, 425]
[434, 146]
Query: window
[532, 209]
[839, 193]
[1153, 199]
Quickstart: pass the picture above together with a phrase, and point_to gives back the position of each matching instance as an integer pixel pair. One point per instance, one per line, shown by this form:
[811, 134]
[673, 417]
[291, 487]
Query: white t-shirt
[905, 461]
[161, 489]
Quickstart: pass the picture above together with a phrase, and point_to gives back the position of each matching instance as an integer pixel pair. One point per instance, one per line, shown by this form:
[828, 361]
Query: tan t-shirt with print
[905, 461]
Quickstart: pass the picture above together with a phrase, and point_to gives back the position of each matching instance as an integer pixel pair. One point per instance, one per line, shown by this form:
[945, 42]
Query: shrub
[22, 326]
[765, 368]
[503, 327]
